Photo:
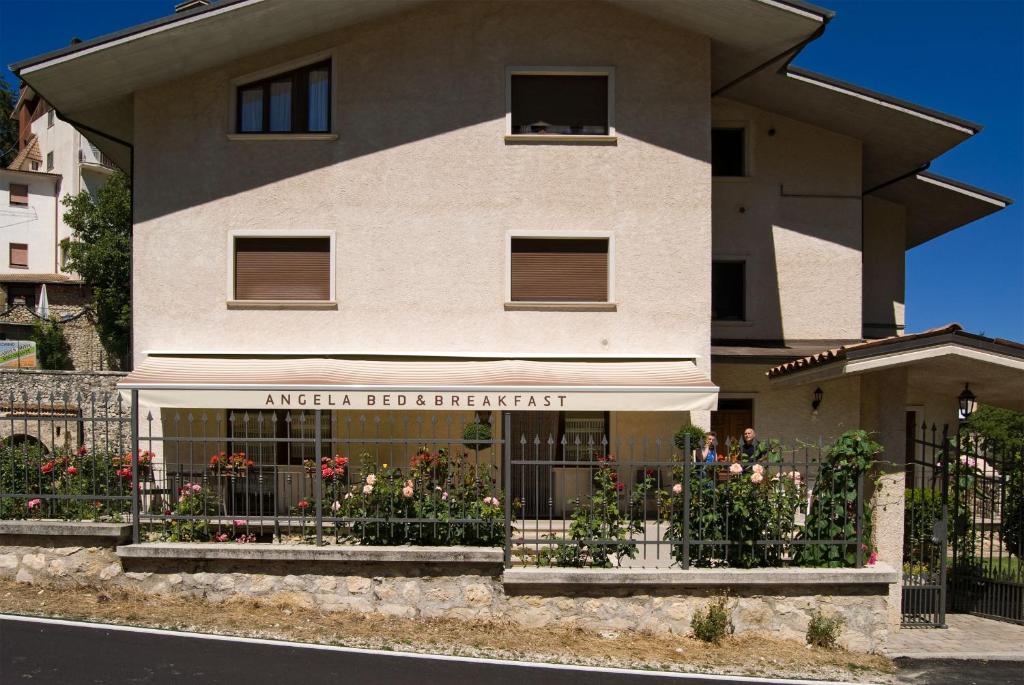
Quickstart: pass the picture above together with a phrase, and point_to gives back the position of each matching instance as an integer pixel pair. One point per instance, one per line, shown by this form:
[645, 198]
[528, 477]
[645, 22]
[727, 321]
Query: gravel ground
[754, 656]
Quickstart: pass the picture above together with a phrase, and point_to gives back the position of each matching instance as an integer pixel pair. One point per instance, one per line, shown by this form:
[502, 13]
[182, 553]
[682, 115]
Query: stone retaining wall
[463, 590]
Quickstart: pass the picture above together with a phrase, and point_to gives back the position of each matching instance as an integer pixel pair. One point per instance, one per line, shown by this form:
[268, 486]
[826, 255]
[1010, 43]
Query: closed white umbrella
[43, 308]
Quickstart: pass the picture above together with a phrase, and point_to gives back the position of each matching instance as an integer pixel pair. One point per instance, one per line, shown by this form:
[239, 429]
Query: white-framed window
[291, 99]
[571, 102]
[560, 267]
[281, 267]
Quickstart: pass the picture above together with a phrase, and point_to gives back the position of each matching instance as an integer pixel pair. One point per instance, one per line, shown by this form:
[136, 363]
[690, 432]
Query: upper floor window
[728, 152]
[576, 102]
[19, 256]
[49, 118]
[270, 269]
[19, 194]
[728, 291]
[49, 161]
[559, 270]
[297, 101]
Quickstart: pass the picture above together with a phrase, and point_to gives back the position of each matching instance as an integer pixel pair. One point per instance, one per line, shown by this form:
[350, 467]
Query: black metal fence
[661, 503]
[925, 529]
[565, 496]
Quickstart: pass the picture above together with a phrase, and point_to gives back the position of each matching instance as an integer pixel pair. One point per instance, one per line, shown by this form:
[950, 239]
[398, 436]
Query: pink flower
[371, 480]
[487, 500]
[407, 491]
[368, 488]
[221, 537]
[736, 468]
[409, 483]
[444, 496]
[238, 523]
[677, 488]
[756, 478]
[758, 468]
[72, 470]
[620, 486]
[872, 558]
[33, 503]
[196, 487]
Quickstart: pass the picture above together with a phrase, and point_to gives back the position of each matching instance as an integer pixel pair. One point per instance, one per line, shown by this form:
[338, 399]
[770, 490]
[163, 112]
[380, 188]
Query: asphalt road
[41, 651]
[960, 672]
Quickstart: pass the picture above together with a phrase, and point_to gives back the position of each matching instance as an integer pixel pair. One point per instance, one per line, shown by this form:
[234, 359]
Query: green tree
[8, 125]
[52, 349]
[101, 253]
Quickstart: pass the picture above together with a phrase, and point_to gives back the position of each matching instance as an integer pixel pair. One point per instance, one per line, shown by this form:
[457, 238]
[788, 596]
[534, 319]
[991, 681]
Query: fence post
[136, 486]
[318, 477]
[943, 569]
[687, 467]
[506, 452]
[860, 521]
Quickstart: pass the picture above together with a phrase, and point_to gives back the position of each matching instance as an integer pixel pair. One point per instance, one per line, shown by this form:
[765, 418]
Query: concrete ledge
[112, 533]
[256, 552]
[701, 577]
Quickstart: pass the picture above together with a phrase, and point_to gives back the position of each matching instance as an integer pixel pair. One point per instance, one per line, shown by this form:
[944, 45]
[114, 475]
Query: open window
[560, 102]
[728, 152]
[728, 291]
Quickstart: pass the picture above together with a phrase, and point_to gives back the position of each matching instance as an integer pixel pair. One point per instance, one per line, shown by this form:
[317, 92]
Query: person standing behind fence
[709, 452]
[750, 448]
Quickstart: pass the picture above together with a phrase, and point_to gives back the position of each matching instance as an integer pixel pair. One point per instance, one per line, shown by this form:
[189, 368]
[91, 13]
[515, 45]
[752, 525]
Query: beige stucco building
[392, 199]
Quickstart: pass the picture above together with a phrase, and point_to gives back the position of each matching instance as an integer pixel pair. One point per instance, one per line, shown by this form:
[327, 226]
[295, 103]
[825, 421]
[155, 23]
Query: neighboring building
[609, 218]
[54, 160]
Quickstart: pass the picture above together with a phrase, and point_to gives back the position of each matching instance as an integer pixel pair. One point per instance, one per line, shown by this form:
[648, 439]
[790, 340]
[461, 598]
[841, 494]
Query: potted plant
[475, 432]
[695, 434]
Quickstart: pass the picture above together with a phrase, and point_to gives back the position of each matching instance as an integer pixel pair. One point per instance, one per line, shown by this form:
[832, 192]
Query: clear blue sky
[961, 57]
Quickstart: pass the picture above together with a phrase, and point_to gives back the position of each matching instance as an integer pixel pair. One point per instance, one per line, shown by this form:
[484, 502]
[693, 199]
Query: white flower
[758, 468]
[336, 506]
[736, 468]
[367, 489]
[677, 488]
[756, 478]
[371, 480]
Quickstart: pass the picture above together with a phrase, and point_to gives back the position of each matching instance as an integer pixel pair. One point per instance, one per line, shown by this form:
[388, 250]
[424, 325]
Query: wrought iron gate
[925, 529]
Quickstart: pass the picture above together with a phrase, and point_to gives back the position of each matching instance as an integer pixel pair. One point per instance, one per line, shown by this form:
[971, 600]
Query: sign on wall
[17, 354]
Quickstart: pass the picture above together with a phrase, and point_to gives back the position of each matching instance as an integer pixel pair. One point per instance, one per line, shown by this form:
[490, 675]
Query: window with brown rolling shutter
[19, 194]
[19, 255]
[559, 269]
[282, 268]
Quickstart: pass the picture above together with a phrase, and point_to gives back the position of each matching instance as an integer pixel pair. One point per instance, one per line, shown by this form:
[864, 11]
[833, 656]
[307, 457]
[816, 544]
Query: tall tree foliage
[8, 126]
[100, 252]
[52, 349]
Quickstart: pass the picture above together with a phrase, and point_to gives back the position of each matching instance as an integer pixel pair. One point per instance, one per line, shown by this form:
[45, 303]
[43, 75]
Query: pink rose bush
[437, 486]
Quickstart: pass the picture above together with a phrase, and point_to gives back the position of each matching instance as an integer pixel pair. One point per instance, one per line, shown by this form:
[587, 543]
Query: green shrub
[52, 349]
[476, 435]
[823, 631]
[713, 622]
[696, 435]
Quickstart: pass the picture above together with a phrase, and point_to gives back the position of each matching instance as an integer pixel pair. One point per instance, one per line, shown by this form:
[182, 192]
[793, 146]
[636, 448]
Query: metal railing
[90, 154]
[658, 503]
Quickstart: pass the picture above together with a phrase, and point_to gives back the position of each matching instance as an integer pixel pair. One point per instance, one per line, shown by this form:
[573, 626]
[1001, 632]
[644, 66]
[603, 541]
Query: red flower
[341, 461]
[214, 460]
[82, 451]
[303, 504]
[620, 486]
[614, 475]
[327, 472]
[649, 473]
[72, 470]
[47, 467]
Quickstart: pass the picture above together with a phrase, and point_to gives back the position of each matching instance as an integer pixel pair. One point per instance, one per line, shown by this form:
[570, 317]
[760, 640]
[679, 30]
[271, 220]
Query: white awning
[421, 384]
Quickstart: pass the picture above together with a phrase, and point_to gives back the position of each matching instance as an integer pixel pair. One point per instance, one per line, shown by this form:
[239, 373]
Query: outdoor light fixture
[968, 403]
[816, 402]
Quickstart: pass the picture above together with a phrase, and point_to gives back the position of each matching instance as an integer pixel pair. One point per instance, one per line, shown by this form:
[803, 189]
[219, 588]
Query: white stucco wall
[884, 267]
[784, 412]
[421, 190]
[32, 225]
[803, 253]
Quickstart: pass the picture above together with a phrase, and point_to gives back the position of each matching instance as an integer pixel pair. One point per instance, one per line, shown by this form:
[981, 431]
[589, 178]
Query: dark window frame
[300, 99]
[744, 163]
[607, 74]
[744, 304]
[281, 425]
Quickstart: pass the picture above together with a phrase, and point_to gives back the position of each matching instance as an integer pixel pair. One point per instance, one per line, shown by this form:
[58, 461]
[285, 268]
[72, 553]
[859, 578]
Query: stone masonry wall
[411, 591]
[87, 353]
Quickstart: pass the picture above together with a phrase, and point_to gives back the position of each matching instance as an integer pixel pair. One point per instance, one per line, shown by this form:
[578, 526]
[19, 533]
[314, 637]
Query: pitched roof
[953, 332]
[29, 153]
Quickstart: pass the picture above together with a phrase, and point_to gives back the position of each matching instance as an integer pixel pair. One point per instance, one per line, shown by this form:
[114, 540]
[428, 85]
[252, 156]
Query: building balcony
[90, 155]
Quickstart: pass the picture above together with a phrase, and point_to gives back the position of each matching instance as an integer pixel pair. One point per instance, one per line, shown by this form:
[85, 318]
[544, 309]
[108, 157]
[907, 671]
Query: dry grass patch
[285, 620]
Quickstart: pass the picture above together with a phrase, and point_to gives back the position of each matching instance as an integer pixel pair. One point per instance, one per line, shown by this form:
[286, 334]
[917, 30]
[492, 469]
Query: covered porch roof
[423, 383]
[939, 361]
